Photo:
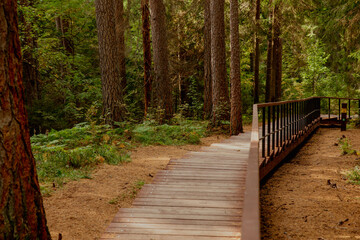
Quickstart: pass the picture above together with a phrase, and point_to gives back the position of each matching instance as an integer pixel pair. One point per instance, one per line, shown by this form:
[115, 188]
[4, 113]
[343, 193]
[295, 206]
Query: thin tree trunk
[113, 109]
[62, 25]
[120, 36]
[277, 54]
[257, 52]
[207, 61]
[220, 89]
[147, 53]
[236, 103]
[22, 215]
[162, 86]
[268, 92]
[30, 62]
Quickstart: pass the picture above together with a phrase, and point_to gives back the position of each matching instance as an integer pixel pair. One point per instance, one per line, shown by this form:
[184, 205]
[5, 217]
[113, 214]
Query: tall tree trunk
[236, 103]
[147, 53]
[277, 53]
[268, 92]
[220, 90]
[113, 109]
[120, 36]
[22, 215]
[207, 61]
[62, 25]
[162, 86]
[257, 52]
[30, 62]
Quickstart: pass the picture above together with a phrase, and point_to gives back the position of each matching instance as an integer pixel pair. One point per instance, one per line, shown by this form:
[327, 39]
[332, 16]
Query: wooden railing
[283, 127]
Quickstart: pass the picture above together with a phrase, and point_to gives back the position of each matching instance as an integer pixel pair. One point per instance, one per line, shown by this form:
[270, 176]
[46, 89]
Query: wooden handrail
[250, 228]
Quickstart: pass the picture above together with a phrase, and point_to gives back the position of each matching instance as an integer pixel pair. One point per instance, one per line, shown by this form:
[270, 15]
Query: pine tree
[22, 215]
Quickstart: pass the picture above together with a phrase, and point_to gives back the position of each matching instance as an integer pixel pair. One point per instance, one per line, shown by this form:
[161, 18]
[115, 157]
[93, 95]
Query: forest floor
[308, 197]
[81, 210]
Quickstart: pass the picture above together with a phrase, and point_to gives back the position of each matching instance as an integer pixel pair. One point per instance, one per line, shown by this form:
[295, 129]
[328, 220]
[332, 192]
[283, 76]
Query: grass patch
[72, 154]
[346, 147]
[353, 176]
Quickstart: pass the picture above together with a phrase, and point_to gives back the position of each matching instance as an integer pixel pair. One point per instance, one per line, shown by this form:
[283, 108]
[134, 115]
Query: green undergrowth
[353, 176]
[346, 147]
[72, 154]
[187, 132]
[354, 123]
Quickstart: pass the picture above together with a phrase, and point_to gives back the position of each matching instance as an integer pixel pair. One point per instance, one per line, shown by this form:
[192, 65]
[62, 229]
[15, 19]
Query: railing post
[339, 109]
[329, 107]
[343, 117]
[349, 110]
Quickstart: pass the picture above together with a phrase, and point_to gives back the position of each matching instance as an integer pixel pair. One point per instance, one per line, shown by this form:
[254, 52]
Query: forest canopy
[319, 42]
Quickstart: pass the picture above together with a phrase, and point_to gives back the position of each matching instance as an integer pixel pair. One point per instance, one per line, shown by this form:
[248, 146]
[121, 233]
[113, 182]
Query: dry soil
[308, 197]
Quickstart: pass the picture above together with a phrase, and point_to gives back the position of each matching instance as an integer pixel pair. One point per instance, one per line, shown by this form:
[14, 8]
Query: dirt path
[82, 209]
[298, 203]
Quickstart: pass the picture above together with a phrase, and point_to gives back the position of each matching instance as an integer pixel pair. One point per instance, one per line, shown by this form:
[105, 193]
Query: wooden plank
[187, 203]
[194, 175]
[113, 236]
[194, 194]
[130, 225]
[176, 211]
[179, 217]
[180, 189]
[175, 232]
[200, 184]
[204, 167]
[179, 221]
[190, 197]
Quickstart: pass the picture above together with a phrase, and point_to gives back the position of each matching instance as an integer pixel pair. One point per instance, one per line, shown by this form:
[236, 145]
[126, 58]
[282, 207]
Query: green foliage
[346, 147]
[353, 176]
[71, 154]
[188, 132]
[355, 123]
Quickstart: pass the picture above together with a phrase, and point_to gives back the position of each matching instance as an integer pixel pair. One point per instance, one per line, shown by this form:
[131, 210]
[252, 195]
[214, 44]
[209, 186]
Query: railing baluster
[273, 128]
[277, 125]
[349, 109]
[263, 132]
[268, 130]
[329, 108]
[281, 123]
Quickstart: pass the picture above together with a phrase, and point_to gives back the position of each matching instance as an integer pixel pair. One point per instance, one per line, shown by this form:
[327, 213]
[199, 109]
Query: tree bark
[147, 53]
[162, 86]
[30, 62]
[277, 54]
[220, 90]
[120, 36]
[62, 25]
[257, 52]
[236, 103]
[22, 215]
[268, 92]
[113, 109]
[207, 61]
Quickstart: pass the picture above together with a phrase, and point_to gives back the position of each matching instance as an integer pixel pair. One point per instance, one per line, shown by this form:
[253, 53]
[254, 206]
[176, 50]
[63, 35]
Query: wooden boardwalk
[199, 197]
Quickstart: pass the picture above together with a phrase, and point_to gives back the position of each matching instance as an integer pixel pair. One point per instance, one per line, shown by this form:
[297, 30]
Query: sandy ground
[298, 202]
[81, 210]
